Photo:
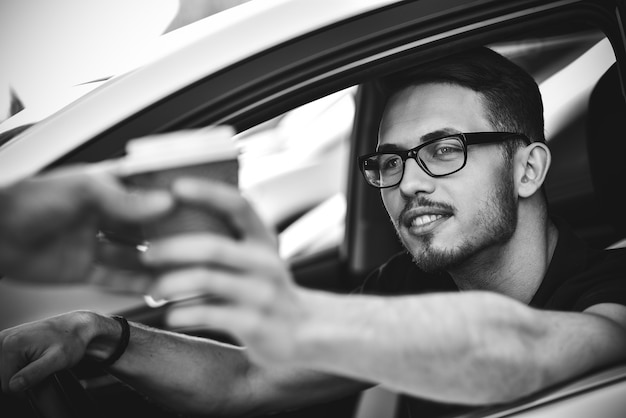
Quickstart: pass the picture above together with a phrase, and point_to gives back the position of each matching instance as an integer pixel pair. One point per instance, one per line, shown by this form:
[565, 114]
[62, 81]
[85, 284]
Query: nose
[415, 180]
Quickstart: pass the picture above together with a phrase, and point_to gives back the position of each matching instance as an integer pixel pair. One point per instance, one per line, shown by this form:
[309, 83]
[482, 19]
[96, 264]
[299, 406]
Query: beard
[494, 225]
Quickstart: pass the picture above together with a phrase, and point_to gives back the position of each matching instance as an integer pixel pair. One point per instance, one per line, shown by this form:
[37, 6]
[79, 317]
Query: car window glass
[293, 170]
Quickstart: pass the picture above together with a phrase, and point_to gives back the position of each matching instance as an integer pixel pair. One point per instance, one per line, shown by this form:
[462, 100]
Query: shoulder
[604, 281]
[580, 276]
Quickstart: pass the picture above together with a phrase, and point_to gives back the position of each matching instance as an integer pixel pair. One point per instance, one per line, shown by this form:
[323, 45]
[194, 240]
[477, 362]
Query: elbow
[513, 359]
[514, 389]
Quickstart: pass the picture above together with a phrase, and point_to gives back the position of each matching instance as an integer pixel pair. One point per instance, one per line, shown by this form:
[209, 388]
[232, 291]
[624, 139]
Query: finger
[116, 202]
[224, 286]
[211, 249]
[221, 317]
[227, 201]
[12, 360]
[181, 284]
[35, 372]
[121, 281]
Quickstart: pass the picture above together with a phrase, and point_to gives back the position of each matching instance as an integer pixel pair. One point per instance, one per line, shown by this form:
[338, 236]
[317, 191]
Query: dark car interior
[588, 165]
[606, 149]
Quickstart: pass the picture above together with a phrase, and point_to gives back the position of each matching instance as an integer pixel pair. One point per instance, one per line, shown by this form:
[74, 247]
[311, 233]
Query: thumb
[34, 373]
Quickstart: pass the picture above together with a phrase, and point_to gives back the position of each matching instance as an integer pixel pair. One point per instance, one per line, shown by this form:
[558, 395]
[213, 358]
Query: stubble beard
[494, 225]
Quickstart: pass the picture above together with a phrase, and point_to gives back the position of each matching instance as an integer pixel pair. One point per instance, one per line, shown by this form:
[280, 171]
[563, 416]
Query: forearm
[200, 376]
[185, 373]
[473, 347]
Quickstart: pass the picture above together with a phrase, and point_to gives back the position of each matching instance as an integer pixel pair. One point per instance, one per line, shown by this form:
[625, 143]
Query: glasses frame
[467, 138]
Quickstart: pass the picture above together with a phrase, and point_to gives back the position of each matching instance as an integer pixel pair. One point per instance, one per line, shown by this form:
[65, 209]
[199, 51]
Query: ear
[531, 167]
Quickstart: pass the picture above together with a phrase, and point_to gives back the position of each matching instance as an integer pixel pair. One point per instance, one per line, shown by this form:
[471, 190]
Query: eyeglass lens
[438, 158]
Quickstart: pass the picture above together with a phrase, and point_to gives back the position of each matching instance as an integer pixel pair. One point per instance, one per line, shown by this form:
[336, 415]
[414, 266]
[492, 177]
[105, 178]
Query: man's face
[444, 221]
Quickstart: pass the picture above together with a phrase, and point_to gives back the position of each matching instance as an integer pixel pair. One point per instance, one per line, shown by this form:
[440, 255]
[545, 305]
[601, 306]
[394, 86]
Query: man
[49, 223]
[461, 162]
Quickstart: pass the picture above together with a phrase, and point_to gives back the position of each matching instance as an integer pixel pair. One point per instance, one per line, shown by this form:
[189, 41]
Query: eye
[446, 150]
[443, 150]
[390, 162]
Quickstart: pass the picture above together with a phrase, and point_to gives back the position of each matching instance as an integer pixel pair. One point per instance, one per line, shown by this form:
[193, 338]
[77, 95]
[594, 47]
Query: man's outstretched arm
[471, 347]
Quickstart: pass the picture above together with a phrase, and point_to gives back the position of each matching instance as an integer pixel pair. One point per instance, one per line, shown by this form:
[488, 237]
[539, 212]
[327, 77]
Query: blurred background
[48, 46]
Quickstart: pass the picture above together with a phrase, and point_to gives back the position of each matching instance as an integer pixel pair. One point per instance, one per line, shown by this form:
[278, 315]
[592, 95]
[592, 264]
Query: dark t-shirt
[578, 277]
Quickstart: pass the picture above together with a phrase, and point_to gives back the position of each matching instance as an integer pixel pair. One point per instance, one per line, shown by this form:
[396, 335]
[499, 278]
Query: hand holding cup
[155, 162]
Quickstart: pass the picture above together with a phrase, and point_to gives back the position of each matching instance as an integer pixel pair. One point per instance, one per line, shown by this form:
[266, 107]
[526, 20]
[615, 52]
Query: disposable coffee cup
[155, 162]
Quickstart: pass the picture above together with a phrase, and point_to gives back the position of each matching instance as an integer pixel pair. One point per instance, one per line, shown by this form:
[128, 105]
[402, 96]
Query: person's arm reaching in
[186, 374]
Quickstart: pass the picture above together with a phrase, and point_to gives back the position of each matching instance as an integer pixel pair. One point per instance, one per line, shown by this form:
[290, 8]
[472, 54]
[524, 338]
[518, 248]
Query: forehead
[418, 111]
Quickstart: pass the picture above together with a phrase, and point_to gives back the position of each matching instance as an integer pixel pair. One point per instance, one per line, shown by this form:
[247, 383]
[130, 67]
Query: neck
[515, 269]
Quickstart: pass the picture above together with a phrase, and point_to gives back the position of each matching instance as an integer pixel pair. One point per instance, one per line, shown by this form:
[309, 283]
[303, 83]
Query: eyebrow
[439, 133]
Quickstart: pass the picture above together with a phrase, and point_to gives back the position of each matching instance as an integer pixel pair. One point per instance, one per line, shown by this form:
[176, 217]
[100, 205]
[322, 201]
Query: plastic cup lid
[178, 149]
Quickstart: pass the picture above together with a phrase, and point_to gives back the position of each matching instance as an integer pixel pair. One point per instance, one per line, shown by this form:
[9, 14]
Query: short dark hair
[511, 95]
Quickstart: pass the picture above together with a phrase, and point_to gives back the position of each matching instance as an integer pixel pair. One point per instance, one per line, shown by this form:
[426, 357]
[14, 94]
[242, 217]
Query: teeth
[425, 219]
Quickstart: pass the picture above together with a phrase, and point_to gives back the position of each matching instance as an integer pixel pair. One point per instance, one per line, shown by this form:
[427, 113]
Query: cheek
[467, 197]
[474, 197]
[468, 192]
[392, 201]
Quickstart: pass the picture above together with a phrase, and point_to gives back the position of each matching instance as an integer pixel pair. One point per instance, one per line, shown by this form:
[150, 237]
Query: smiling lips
[423, 220]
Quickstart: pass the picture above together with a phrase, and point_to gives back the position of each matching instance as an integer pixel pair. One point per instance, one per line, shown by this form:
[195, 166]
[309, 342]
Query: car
[308, 81]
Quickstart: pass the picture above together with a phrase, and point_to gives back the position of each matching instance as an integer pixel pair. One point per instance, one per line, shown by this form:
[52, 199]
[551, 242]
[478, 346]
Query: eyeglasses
[437, 157]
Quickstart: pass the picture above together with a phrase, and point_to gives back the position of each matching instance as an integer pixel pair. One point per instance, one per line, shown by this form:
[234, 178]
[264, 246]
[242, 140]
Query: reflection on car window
[293, 170]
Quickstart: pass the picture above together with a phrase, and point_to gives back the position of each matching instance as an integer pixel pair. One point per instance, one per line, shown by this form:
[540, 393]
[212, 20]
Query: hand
[255, 298]
[31, 352]
[118, 268]
[49, 224]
